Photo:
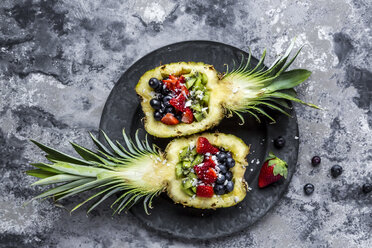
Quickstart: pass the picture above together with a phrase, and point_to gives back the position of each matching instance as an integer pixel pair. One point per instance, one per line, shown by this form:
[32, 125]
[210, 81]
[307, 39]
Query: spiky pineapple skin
[158, 129]
[239, 151]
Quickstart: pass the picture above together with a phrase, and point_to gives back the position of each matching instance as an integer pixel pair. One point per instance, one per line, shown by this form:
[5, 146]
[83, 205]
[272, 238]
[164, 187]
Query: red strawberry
[209, 176]
[203, 146]
[210, 161]
[204, 191]
[169, 119]
[178, 102]
[187, 116]
[272, 171]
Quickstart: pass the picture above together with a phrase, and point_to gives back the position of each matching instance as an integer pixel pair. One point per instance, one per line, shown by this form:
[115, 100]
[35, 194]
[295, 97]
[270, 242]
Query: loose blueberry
[154, 83]
[315, 160]
[230, 162]
[367, 187]
[229, 186]
[229, 175]
[309, 189]
[336, 170]
[279, 142]
[221, 156]
[155, 103]
[166, 100]
[220, 179]
[219, 189]
[158, 115]
[223, 168]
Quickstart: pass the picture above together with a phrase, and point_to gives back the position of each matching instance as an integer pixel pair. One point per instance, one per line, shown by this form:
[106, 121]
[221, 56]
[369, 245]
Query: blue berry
[229, 175]
[219, 189]
[309, 188]
[223, 168]
[221, 156]
[229, 186]
[230, 162]
[220, 179]
[154, 83]
[155, 103]
[336, 170]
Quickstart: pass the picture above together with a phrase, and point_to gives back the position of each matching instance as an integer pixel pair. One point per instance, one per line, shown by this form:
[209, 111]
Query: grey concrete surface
[60, 59]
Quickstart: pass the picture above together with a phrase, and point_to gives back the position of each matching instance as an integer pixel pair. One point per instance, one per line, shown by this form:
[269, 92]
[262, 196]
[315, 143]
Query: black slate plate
[122, 110]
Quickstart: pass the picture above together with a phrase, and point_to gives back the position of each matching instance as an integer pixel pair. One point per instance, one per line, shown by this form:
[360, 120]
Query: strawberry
[209, 176]
[169, 119]
[178, 102]
[272, 171]
[202, 168]
[204, 191]
[203, 146]
[187, 116]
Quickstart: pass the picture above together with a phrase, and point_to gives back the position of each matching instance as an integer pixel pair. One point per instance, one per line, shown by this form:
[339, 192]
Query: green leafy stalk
[104, 170]
[261, 86]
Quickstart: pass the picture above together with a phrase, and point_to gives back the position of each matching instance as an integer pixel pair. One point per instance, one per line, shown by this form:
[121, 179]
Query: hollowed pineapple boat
[187, 97]
[203, 171]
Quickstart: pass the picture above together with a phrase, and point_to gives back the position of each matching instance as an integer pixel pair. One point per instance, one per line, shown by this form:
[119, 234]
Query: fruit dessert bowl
[184, 98]
[203, 171]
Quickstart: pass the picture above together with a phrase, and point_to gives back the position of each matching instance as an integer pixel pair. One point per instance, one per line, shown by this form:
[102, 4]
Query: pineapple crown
[100, 170]
[262, 86]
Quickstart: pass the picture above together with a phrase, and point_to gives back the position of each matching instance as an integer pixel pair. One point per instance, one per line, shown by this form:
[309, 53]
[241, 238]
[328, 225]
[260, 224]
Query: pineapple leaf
[61, 178]
[291, 98]
[39, 173]
[288, 80]
[60, 156]
[104, 197]
[113, 146]
[45, 167]
[99, 145]
[85, 153]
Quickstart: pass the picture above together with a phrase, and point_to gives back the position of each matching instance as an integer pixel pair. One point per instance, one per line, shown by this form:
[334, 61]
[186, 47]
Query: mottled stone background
[60, 59]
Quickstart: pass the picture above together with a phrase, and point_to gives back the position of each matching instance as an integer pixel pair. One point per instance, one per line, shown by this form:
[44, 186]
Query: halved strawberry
[203, 146]
[178, 102]
[209, 176]
[210, 161]
[272, 171]
[204, 191]
[187, 116]
[169, 119]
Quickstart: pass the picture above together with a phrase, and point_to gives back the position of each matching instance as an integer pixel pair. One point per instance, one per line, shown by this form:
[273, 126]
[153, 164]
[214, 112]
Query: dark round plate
[122, 110]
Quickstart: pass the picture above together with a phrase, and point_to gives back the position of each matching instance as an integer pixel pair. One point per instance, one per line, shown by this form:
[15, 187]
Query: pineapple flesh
[137, 171]
[242, 90]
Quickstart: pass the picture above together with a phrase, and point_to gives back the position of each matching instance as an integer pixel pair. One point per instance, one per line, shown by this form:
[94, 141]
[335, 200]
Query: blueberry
[158, 115]
[229, 186]
[222, 149]
[220, 179]
[223, 168]
[367, 187]
[178, 116]
[221, 156]
[309, 189]
[165, 91]
[154, 83]
[228, 155]
[155, 103]
[228, 175]
[336, 170]
[219, 189]
[166, 100]
[230, 162]
[279, 142]
[169, 110]
[315, 160]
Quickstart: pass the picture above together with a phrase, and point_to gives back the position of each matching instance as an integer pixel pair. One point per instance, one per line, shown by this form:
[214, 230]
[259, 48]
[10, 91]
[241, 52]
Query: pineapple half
[243, 90]
[136, 171]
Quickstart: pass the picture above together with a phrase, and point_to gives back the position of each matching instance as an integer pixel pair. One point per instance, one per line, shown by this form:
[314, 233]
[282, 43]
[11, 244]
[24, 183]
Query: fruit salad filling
[205, 169]
[180, 99]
